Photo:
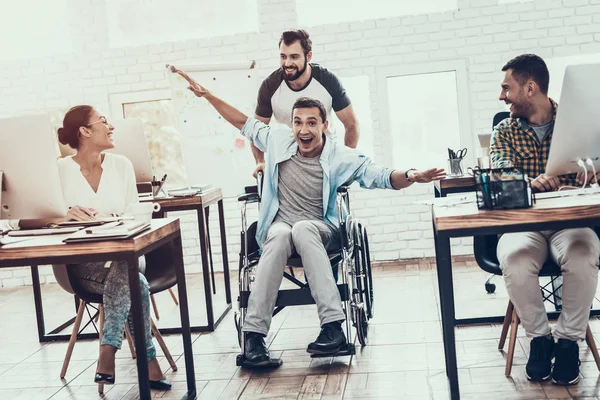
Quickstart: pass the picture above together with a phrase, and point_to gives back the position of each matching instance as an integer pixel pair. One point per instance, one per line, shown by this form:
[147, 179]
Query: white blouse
[116, 190]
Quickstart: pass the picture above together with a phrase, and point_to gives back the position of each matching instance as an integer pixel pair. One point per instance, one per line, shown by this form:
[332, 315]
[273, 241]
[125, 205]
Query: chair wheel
[490, 288]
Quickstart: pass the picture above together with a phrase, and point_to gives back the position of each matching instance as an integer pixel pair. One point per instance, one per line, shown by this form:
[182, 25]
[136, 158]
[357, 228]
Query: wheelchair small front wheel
[361, 322]
[238, 327]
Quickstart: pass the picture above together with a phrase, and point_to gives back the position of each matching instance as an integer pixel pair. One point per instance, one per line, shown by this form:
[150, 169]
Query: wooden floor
[404, 359]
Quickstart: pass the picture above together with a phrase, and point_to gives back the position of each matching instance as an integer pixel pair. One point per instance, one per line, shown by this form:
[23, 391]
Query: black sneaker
[331, 340]
[566, 364]
[255, 350]
[539, 365]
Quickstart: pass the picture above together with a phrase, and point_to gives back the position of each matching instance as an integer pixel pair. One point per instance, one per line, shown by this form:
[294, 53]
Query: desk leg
[444, 272]
[205, 268]
[138, 328]
[212, 266]
[37, 297]
[185, 320]
[224, 252]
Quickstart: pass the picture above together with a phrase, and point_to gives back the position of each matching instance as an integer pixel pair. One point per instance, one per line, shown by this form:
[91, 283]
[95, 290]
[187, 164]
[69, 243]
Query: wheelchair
[351, 264]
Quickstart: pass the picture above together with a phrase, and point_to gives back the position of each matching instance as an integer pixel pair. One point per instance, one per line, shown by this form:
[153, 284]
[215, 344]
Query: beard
[520, 111]
[297, 74]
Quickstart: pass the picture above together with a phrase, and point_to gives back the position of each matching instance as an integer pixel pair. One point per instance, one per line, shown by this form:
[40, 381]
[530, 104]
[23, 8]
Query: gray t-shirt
[300, 190]
[542, 131]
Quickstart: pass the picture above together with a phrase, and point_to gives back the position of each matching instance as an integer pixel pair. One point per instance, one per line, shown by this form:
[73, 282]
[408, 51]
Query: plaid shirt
[515, 144]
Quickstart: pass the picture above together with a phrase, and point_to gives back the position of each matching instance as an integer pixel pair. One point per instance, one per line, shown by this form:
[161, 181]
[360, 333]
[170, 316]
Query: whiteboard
[214, 152]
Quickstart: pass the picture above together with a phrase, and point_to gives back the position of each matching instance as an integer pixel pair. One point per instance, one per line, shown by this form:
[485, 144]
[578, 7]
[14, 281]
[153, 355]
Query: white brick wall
[484, 33]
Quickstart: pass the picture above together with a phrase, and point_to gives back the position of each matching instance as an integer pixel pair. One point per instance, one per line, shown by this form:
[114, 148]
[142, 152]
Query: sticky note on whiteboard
[240, 143]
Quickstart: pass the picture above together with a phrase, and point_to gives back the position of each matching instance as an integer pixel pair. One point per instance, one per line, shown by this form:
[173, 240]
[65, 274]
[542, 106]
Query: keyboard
[568, 193]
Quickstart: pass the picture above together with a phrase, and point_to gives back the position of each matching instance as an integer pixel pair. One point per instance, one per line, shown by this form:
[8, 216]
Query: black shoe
[539, 365]
[331, 340]
[163, 384]
[105, 379]
[255, 350]
[566, 364]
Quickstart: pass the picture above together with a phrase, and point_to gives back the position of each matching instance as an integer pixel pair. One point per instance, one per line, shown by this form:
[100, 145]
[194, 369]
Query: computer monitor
[130, 141]
[577, 127]
[28, 159]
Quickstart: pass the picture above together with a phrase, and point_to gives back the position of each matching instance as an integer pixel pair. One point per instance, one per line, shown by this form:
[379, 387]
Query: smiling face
[292, 60]
[515, 95]
[309, 130]
[98, 132]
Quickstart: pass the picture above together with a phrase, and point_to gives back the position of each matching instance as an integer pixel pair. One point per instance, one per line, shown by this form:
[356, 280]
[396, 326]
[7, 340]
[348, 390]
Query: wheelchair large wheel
[366, 273]
[362, 300]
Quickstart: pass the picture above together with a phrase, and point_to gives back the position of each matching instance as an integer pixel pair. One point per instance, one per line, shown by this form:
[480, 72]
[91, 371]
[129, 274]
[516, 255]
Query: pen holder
[455, 167]
[502, 188]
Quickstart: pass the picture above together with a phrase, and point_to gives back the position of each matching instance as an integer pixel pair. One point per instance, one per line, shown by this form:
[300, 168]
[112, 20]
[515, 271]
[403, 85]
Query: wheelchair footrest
[240, 361]
[349, 351]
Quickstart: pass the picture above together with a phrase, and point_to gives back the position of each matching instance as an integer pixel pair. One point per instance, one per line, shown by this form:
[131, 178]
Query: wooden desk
[466, 220]
[201, 203]
[449, 185]
[51, 250]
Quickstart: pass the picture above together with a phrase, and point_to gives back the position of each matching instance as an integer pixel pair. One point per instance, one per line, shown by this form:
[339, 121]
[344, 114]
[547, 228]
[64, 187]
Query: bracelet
[406, 174]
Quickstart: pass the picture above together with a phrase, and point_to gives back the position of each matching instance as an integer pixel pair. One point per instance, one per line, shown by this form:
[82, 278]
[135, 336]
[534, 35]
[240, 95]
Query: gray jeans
[521, 257]
[311, 240]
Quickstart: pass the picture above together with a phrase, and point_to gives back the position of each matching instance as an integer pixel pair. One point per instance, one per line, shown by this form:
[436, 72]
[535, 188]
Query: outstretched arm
[231, 114]
[399, 180]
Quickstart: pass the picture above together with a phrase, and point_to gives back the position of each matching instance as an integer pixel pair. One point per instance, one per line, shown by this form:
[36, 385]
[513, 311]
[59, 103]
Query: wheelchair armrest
[250, 197]
[251, 189]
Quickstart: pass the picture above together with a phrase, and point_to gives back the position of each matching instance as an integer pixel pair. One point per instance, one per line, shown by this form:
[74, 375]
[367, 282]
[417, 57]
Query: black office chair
[484, 248]
[160, 274]
[499, 117]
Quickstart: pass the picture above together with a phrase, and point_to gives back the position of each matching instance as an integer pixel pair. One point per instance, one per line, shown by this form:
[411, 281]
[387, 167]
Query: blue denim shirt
[340, 164]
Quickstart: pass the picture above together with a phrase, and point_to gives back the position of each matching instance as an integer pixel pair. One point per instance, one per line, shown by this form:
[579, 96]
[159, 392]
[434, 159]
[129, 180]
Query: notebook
[115, 231]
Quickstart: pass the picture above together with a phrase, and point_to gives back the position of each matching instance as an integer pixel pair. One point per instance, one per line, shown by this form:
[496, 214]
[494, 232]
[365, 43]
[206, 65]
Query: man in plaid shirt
[523, 141]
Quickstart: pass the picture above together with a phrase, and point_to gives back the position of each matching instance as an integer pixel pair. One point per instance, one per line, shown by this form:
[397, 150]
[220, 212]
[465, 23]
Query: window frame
[459, 67]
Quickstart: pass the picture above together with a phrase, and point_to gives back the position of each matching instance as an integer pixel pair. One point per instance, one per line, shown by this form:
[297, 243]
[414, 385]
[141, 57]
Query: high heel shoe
[163, 384]
[106, 379]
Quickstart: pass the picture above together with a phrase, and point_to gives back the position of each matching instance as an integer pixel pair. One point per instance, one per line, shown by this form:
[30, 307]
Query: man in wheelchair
[299, 213]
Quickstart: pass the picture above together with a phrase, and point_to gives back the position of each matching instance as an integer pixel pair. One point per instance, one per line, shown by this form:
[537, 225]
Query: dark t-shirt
[276, 97]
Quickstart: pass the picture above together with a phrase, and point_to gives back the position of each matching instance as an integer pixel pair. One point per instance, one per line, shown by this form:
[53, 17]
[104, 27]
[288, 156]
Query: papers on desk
[190, 190]
[4, 241]
[116, 231]
[450, 201]
[42, 232]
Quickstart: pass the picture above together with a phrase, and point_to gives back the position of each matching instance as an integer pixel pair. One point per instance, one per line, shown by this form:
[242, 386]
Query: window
[358, 89]
[32, 29]
[154, 108]
[427, 113]
[141, 22]
[317, 12]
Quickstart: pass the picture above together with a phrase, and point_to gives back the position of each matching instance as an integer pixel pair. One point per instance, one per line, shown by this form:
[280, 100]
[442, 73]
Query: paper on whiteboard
[214, 152]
